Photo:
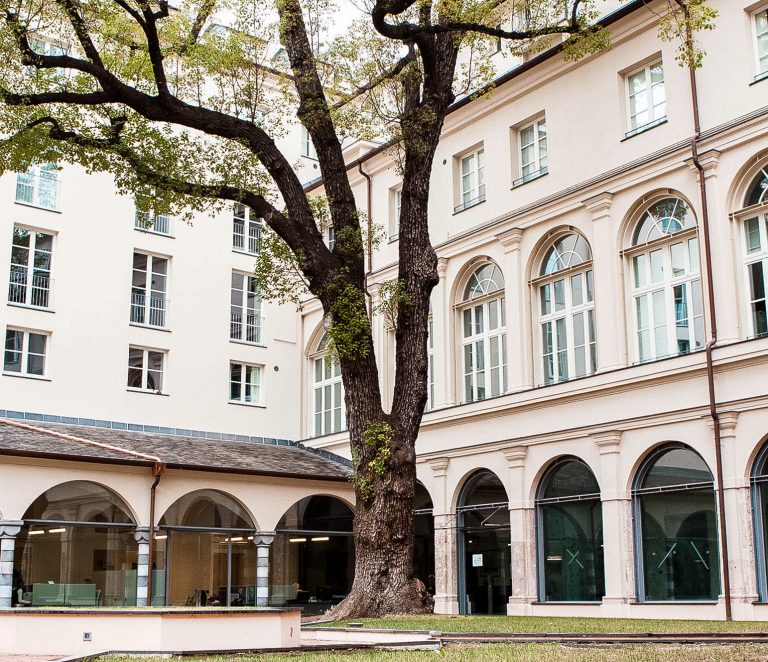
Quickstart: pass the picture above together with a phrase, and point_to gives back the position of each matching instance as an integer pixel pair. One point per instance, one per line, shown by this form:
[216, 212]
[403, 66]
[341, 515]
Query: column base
[446, 604]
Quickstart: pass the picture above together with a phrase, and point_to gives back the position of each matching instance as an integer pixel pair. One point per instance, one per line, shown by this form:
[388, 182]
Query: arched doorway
[424, 538]
[676, 527]
[570, 534]
[313, 559]
[484, 546]
[76, 548]
[204, 553]
[760, 518]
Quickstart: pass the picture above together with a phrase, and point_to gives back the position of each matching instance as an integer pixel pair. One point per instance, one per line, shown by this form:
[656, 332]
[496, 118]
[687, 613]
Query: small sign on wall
[477, 560]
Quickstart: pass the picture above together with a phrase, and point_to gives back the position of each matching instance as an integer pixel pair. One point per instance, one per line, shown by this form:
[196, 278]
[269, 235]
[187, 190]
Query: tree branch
[203, 14]
[86, 43]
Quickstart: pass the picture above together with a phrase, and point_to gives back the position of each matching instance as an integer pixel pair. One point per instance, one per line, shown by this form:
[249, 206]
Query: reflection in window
[25, 352]
[39, 186]
[76, 549]
[666, 282]
[756, 253]
[675, 516]
[145, 369]
[567, 310]
[484, 346]
[570, 550]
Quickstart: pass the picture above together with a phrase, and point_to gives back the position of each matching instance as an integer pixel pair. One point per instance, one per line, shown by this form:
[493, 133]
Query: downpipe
[157, 470]
[369, 247]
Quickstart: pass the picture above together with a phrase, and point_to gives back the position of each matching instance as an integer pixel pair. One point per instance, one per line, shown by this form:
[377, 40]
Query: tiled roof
[173, 450]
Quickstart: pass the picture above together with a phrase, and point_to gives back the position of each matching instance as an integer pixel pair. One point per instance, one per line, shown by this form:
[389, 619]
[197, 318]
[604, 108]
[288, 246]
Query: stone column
[141, 535]
[607, 277]
[446, 571]
[522, 534]
[519, 375]
[8, 532]
[263, 540]
[617, 523]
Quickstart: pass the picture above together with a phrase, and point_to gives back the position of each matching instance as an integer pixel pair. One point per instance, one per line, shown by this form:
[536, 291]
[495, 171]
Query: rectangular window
[430, 365]
[328, 407]
[30, 281]
[25, 352]
[646, 98]
[761, 42]
[533, 151]
[39, 186]
[246, 230]
[756, 245]
[146, 368]
[330, 237]
[148, 221]
[149, 289]
[396, 197]
[245, 310]
[307, 146]
[472, 179]
[245, 383]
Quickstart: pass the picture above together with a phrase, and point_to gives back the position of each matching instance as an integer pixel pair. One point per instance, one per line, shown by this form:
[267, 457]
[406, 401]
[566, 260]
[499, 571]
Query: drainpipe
[370, 239]
[157, 470]
[723, 528]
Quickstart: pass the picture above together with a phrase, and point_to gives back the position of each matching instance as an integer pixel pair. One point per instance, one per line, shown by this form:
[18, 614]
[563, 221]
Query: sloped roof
[93, 444]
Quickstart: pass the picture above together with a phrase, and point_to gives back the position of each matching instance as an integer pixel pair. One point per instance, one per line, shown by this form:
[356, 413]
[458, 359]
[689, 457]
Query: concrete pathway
[347, 637]
[13, 657]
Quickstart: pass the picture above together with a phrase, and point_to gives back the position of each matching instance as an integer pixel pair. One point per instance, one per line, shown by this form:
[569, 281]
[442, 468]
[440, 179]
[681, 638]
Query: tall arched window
[484, 345]
[666, 282]
[327, 392]
[755, 223]
[570, 532]
[676, 527]
[566, 310]
[760, 520]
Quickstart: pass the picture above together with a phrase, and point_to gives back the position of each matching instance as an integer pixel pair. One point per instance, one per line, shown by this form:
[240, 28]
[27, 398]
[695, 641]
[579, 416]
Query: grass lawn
[514, 653]
[547, 624]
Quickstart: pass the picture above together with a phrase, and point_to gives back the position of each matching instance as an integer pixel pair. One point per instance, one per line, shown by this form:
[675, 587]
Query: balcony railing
[149, 310]
[160, 224]
[38, 190]
[250, 244]
[245, 327]
[29, 289]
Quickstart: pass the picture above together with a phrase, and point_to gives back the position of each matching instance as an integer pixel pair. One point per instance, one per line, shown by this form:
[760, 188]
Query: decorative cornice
[439, 466]
[599, 205]
[607, 441]
[515, 456]
[728, 421]
[709, 161]
[510, 239]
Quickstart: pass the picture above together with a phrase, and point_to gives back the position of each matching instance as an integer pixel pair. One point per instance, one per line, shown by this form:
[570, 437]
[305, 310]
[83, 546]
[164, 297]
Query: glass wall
[424, 539]
[570, 534]
[312, 561]
[484, 546]
[676, 527]
[76, 548]
[760, 519]
[204, 553]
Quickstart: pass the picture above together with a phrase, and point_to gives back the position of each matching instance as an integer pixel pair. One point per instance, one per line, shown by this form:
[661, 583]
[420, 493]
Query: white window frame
[308, 150]
[482, 378]
[655, 116]
[430, 364]
[328, 407]
[471, 173]
[761, 63]
[396, 206]
[329, 236]
[751, 260]
[257, 370]
[538, 165]
[35, 282]
[154, 313]
[145, 370]
[659, 296]
[252, 228]
[29, 190]
[24, 353]
[252, 331]
[149, 221]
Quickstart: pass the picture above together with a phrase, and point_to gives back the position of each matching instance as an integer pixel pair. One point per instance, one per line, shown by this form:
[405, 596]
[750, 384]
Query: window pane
[559, 286]
[13, 346]
[638, 264]
[577, 289]
[677, 254]
[467, 315]
[660, 323]
[562, 346]
[546, 299]
[657, 266]
[493, 314]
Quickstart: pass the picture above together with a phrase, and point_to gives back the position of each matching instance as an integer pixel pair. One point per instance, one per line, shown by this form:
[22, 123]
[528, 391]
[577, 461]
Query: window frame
[395, 206]
[475, 174]
[34, 178]
[148, 222]
[308, 150]
[761, 72]
[253, 227]
[24, 353]
[540, 170]
[259, 400]
[145, 370]
[321, 355]
[147, 309]
[653, 121]
[247, 281]
[30, 270]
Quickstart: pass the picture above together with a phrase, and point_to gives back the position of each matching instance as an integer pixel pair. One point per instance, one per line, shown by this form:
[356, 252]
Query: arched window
[76, 549]
[760, 521]
[755, 233]
[313, 556]
[484, 341]
[570, 531]
[666, 282]
[676, 527]
[566, 310]
[327, 392]
[483, 545]
[205, 542]
[424, 538]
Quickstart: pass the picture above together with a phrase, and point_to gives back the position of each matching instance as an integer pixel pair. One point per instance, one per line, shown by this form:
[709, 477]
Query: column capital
[515, 456]
[709, 160]
[10, 528]
[511, 239]
[263, 538]
[728, 421]
[442, 267]
[607, 441]
[439, 466]
[599, 205]
[141, 534]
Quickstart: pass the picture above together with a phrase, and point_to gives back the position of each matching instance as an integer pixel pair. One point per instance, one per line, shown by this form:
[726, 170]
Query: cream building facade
[568, 455]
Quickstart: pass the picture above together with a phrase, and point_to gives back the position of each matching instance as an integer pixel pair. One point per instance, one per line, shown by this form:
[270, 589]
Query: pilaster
[521, 532]
[441, 324]
[519, 375]
[446, 569]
